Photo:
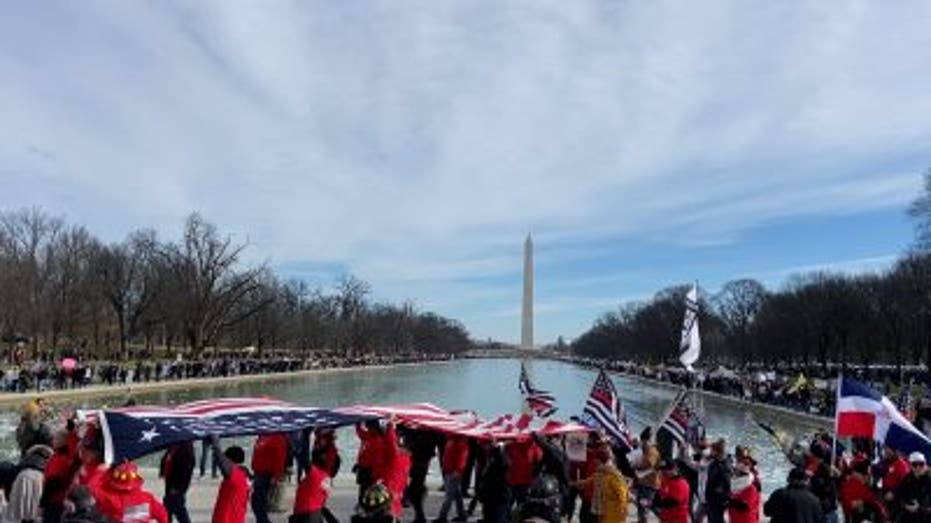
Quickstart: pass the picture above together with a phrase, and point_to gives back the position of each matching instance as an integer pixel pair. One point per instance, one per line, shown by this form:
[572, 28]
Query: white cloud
[869, 264]
[416, 142]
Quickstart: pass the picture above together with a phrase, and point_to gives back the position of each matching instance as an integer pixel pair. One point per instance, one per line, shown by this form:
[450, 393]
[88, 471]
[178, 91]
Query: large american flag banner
[604, 409]
[466, 423]
[132, 432]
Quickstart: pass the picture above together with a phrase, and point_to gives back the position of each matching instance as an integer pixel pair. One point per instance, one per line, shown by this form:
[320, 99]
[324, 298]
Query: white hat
[916, 457]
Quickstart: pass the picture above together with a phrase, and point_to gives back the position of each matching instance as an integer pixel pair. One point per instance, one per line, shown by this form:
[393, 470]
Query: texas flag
[862, 412]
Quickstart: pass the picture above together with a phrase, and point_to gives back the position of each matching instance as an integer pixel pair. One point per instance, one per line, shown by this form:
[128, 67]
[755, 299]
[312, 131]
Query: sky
[416, 143]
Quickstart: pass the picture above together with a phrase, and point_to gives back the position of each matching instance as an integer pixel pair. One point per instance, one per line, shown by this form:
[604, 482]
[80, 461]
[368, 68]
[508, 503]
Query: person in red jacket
[369, 461]
[394, 469]
[122, 498]
[523, 456]
[895, 468]
[744, 505]
[92, 469]
[269, 461]
[453, 465]
[312, 493]
[233, 496]
[63, 464]
[857, 499]
[672, 500]
[324, 451]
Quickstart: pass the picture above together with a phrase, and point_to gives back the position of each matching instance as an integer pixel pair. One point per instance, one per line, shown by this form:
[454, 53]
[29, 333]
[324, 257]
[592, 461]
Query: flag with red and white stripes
[604, 409]
[132, 432]
[466, 423]
[538, 401]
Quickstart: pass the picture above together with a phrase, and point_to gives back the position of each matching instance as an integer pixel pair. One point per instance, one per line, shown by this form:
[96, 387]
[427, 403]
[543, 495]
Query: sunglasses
[919, 464]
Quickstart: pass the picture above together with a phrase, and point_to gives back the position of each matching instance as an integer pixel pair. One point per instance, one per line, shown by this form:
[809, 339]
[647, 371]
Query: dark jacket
[493, 487]
[718, 488]
[793, 504]
[914, 488]
[177, 467]
[554, 461]
[824, 487]
[30, 433]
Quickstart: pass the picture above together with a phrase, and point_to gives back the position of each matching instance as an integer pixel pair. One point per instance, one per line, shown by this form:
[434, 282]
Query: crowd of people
[48, 374]
[586, 477]
[804, 388]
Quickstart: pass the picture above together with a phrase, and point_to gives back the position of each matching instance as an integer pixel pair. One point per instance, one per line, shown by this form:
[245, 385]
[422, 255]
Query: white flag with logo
[690, 346]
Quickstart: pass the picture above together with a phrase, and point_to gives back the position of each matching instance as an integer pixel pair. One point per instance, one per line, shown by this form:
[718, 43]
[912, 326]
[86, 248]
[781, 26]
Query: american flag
[467, 423]
[684, 421]
[540, 402]
[132, 432]
[604, 409]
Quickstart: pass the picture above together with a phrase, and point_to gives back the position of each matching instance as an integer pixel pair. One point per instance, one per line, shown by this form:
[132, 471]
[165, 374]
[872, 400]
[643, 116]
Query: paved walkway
[342, 500]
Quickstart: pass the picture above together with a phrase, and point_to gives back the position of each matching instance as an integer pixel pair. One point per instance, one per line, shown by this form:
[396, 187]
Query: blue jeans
[207, 453]
[453, 484]
[176, 505]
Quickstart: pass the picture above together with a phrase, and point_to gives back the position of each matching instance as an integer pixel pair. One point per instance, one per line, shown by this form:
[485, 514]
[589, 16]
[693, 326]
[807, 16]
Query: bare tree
[352, 296]
[126, 279]
[210, 286]
[27, 233]
[738, 303]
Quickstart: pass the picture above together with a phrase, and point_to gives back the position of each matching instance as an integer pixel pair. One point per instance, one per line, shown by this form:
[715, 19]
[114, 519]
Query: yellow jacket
[611, 494]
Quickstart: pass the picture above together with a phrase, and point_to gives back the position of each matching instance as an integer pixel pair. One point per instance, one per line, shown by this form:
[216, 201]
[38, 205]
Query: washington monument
[526, 313]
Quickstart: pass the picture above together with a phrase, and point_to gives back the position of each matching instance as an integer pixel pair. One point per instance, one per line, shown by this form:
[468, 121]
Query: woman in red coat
[744, 505]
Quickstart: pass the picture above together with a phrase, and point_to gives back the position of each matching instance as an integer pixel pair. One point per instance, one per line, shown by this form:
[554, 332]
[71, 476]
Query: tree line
[819, 317]
[62, 290]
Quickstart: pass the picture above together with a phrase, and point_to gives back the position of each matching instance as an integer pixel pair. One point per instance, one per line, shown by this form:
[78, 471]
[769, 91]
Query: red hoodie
[675, 489]
[455, 456]
[396, 480]
[270, 455]
[747, 506]
[853, 490]
[312, 492]
[371, 445]
[135, 506]
[895, 473]
[388, 453]
[233, 497]
[522, 456]
[57, 477]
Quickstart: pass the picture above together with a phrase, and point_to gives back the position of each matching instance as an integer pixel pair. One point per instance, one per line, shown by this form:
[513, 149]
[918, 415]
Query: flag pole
[840, 380]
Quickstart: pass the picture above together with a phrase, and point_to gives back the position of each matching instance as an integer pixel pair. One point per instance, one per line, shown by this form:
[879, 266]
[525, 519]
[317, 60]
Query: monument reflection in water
[490, 388]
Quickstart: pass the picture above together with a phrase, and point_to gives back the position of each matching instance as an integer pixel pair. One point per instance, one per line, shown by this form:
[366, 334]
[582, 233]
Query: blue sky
[415, 143]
